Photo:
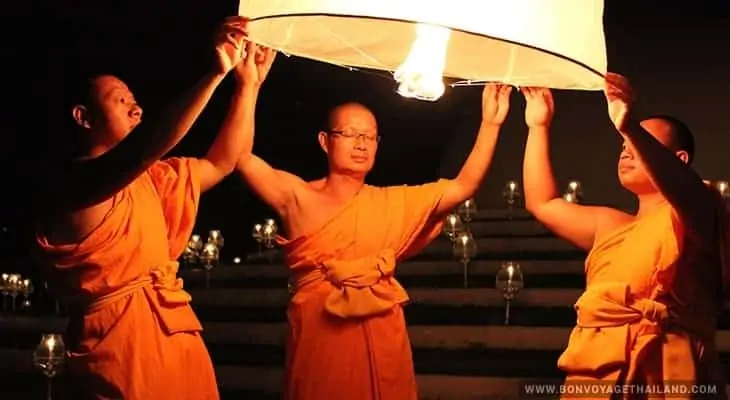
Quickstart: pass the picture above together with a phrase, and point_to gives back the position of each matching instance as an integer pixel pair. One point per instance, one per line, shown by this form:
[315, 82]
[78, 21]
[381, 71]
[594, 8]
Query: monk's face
[632, 173]
[112, 113]
[352, 140]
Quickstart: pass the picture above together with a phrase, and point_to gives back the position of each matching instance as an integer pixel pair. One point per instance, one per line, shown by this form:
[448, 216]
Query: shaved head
[672, 132]
[345, 111]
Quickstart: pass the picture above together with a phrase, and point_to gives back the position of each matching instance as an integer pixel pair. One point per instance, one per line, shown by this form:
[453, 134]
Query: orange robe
[347, 335]
[133, 334]
[649, 313]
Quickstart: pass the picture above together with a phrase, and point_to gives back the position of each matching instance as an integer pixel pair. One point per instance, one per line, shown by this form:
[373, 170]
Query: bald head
[672, 132]
[348, 114]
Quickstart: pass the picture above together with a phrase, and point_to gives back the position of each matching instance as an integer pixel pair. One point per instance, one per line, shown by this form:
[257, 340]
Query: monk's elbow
[462, 189]
[244, 163]
[533, 206]
[226, 167]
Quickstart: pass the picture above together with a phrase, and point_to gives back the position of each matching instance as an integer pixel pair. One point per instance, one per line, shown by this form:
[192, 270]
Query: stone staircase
[462, 348]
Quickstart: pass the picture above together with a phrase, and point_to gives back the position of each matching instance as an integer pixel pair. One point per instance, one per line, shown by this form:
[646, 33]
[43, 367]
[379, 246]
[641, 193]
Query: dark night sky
[677, 54]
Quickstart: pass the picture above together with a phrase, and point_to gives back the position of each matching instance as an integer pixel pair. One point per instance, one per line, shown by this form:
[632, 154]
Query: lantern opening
[421, 74]
[546, 43]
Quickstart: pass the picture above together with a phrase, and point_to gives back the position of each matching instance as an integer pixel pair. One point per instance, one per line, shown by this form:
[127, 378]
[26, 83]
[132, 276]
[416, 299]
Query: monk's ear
[323, 137]
[81, 116]
[683, 155]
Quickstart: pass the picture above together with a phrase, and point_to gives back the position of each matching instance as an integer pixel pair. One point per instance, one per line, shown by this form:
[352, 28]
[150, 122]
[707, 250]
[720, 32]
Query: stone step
[233, 272]
[519, 247]
[430, 386]
[265, 381]
[415, 274]
[501, 214]
[507, 228]
[23, 332]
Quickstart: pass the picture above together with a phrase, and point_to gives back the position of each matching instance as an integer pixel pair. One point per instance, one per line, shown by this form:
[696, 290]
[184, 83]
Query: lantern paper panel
[558, 44]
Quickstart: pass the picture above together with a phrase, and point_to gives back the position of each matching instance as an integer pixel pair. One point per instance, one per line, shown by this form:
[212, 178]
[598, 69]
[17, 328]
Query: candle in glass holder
[195, 242]
[258, 232]
[467, 210]
[215, 237]
[573, 193]
[722, 187]
[452, 225]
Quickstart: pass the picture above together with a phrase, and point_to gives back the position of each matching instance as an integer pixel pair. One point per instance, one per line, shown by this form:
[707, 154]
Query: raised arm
[236, 133]
[87, 182]
[692, 200]
[575, 223]
[495, 106]
[274, 187]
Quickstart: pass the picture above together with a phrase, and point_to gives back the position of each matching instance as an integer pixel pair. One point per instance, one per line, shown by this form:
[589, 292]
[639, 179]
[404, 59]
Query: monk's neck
[342, 186]
[95, 151]
[649, 202]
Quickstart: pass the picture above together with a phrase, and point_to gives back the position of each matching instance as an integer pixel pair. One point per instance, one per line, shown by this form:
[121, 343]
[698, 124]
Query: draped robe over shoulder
[650, 309]
[347, 334]
[134, 335]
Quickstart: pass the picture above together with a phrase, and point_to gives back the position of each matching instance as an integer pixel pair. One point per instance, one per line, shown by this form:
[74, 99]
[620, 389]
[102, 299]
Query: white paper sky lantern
[550, 43]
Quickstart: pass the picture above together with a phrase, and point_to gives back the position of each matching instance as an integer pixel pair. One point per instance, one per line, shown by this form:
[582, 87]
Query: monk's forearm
[175, 124]
[537, 172]
[237, 131]
[477, 164]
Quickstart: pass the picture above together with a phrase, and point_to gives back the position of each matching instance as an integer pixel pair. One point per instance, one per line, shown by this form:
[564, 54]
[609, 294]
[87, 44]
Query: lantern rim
[578, 63]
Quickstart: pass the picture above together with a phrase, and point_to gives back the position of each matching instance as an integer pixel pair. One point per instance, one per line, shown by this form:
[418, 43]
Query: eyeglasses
[355, 135]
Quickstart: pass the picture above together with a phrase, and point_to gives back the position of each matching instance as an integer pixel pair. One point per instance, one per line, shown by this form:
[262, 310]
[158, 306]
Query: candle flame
[421, 74]
[51, 342]
[722, 187]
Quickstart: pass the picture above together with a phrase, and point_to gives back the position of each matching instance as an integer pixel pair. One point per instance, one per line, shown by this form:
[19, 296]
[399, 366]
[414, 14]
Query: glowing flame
[421, 74]
[51, 343]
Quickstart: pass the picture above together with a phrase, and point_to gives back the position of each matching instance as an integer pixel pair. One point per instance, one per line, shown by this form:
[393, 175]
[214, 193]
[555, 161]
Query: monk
[121, 220]
[347, 335]
[656, 279]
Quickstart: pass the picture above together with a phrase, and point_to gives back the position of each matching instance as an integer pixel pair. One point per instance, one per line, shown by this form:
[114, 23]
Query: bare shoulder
[305, 196]
[609, 219]
[316, 184]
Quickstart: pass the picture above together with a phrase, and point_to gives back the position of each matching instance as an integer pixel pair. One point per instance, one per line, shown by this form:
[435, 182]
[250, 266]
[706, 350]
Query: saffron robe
[347, 336]
[649, 312]
[134, 335]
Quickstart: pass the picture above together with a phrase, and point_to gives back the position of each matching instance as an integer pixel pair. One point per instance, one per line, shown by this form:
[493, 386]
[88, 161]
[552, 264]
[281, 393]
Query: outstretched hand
[229, 44]
[256, 64]
[539, 106]
[495, 103]
[620, 97]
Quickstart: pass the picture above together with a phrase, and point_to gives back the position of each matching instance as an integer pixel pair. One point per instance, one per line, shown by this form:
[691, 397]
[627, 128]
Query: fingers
[234, 36]
[535, 92]
[235, 22]
[618, 86]
[236, 19]
[269, 56]
[497, 89]
[251, 50]
[233, 31]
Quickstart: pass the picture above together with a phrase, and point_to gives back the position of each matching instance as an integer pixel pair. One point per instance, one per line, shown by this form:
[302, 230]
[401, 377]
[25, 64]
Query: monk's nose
[136, 112]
